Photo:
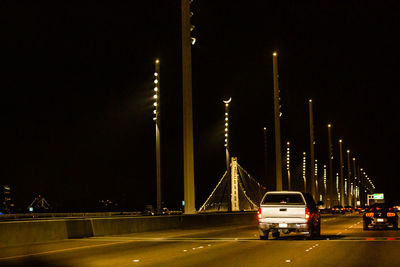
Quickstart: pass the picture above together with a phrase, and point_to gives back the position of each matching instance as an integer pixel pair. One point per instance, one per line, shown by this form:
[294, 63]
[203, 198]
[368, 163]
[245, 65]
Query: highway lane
[342, 242]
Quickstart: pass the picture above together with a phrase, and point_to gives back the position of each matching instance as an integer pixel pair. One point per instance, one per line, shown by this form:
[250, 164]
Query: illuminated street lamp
[325, 183]
[288, 164]
[156, 118]
[316, 179]
[226, 121]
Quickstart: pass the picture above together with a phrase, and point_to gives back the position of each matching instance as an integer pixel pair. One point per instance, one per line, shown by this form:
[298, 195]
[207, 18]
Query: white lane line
[61, 250]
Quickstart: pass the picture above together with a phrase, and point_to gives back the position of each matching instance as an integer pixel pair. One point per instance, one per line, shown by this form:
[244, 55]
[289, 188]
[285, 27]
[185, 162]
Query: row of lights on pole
[192, 39]
[156, 90]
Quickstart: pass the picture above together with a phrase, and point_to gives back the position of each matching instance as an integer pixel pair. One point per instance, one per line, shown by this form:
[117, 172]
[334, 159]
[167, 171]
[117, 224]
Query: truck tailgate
[286, 212]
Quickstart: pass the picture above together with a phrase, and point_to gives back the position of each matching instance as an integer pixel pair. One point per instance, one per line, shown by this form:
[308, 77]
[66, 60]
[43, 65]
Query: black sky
[76, 113]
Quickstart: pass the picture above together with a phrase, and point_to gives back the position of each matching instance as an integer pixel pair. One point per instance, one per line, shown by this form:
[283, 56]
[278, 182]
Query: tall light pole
[265, 155]
[325, 196]
[341, 174]
[226, 102]
[361, 179]
[156, 113]
[349, 180]
[314, 191]
[316, 179]
[337, 188]
[355, 194]
[278, 164]
[188, 155]
[305, 171]
[331, 193]
[288, 164]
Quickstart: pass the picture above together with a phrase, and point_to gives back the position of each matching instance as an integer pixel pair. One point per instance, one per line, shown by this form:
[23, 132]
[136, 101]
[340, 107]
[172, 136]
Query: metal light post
[226, 102]
[337, 188]
[316, 180]
[361, 179]
[305, 171]
[331, 193]
[314, 192]
[355, 189]
[288, 164]
[341, 174]
[349, 181]
[278, 164]
[325, 196]
[156, 118]
[188, 155]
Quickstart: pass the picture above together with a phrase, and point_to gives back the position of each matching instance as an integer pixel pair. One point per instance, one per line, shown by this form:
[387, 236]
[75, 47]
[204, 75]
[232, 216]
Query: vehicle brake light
[307, 215]
[342, 208]
[333, 209]
[259, 214]
[369, 214]
[390, 214]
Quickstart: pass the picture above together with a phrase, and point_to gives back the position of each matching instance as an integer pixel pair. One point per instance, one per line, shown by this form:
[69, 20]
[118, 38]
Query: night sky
[77, 86]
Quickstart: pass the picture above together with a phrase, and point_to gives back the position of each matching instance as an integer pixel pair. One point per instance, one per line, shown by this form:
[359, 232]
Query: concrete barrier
[34, 231]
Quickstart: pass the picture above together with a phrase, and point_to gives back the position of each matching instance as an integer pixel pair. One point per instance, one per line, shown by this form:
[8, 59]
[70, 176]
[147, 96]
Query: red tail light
[390, 214]
[259, 214]
[307, 215]
[342, 208]
[369, 214]
[333, 209]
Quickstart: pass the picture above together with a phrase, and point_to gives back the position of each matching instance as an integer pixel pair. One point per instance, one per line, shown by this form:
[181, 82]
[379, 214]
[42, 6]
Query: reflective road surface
[343, 243]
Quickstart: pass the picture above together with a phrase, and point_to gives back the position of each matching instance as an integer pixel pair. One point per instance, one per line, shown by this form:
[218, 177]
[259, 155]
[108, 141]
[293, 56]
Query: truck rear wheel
[265, 236]
[275, 234]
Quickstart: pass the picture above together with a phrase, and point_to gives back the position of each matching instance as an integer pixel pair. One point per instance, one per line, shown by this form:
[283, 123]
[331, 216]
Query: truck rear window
[283, 199]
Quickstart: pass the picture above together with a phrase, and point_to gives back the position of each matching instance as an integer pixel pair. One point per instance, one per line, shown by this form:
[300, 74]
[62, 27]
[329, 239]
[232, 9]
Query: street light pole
[226, 102]
[278, 164]
[314, 191]
[156, 118]
[349, 181]
[355, 188]
[341, 174]
[288, 164]
[188, 155]
[331, 193]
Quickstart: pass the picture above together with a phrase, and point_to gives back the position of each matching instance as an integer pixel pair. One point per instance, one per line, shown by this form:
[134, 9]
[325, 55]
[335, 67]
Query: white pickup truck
[288, 211]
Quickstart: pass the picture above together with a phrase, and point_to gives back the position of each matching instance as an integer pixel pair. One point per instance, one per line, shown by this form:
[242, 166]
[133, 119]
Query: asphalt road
[343, 243]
